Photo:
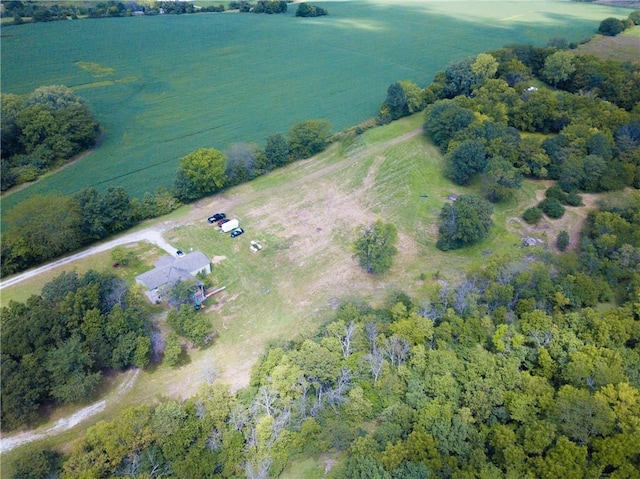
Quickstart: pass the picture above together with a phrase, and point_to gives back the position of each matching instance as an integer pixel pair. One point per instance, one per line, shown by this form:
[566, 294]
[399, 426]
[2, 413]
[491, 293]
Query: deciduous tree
[43, 227]
[558, 67]
[375, 246]
[308, 138]
[467, 159]
[200, 173]
[463, 222]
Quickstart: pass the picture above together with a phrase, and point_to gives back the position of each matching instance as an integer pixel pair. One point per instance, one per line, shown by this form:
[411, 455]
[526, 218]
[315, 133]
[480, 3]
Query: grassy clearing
[158, 103]
[624, 47]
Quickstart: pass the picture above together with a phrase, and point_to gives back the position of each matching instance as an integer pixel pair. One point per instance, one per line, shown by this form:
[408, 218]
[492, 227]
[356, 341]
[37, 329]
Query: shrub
[532, 215]
[123, 256]
[570, 199]
[556, 192]
[562, 240]
[552, 208]
[574, 199]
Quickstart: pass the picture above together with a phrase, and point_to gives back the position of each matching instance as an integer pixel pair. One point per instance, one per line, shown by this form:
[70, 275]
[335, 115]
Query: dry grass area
[624, 47]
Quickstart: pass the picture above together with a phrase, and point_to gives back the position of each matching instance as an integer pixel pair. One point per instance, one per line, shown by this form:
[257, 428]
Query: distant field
[163, 86]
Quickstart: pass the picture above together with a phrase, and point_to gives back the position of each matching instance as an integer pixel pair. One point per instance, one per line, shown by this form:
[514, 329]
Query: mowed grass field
[163, 86]
[305, 216]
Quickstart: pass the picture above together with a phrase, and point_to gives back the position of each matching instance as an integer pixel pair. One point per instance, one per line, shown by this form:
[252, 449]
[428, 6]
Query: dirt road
[152, 235]
[66, 423]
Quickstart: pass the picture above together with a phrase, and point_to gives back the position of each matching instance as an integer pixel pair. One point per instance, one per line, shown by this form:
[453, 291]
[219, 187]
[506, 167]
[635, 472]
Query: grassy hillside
[163, 86]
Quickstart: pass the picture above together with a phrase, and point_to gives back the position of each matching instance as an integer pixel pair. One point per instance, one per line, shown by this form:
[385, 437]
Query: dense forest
[529, 367]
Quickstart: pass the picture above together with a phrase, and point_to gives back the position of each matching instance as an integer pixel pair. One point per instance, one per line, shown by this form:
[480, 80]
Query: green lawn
[163, 86]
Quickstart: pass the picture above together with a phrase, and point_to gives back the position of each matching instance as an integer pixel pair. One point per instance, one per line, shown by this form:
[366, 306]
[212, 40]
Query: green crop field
[163, 86]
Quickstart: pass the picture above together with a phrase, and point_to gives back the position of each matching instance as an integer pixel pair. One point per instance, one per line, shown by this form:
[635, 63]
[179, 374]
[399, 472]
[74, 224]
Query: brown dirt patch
[548, 229]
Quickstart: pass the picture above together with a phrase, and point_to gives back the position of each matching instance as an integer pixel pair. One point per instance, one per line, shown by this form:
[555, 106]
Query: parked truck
[229, 225]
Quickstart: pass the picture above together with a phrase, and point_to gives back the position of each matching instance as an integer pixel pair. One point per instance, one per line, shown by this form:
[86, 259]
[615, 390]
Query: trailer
[229, 225]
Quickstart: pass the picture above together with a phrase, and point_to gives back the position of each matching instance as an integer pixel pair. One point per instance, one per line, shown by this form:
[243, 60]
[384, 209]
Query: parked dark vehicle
[236, 232]
[216, 217]
[223, 221]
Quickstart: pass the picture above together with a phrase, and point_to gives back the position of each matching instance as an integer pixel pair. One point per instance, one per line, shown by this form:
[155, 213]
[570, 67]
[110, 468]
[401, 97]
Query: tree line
[207, 170]
[516, 371]
[39, 11]
[46, 226]
[58, 344]
[41, 131]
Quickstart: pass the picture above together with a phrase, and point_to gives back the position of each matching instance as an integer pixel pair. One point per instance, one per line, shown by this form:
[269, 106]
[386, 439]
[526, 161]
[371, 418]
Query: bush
[552, 208]
[123, 256]
[570, 199]
[573, 199]
[556, 192]
[611, 27]
[532, 215]
[562, 241]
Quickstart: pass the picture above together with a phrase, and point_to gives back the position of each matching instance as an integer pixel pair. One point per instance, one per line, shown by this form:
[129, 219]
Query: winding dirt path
[66, 423]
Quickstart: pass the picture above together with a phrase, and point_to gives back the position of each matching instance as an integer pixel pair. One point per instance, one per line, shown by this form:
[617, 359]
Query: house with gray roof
[170, 270]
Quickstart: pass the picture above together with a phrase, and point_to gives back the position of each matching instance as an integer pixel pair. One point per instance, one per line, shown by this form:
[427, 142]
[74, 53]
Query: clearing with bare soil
[547, 229]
